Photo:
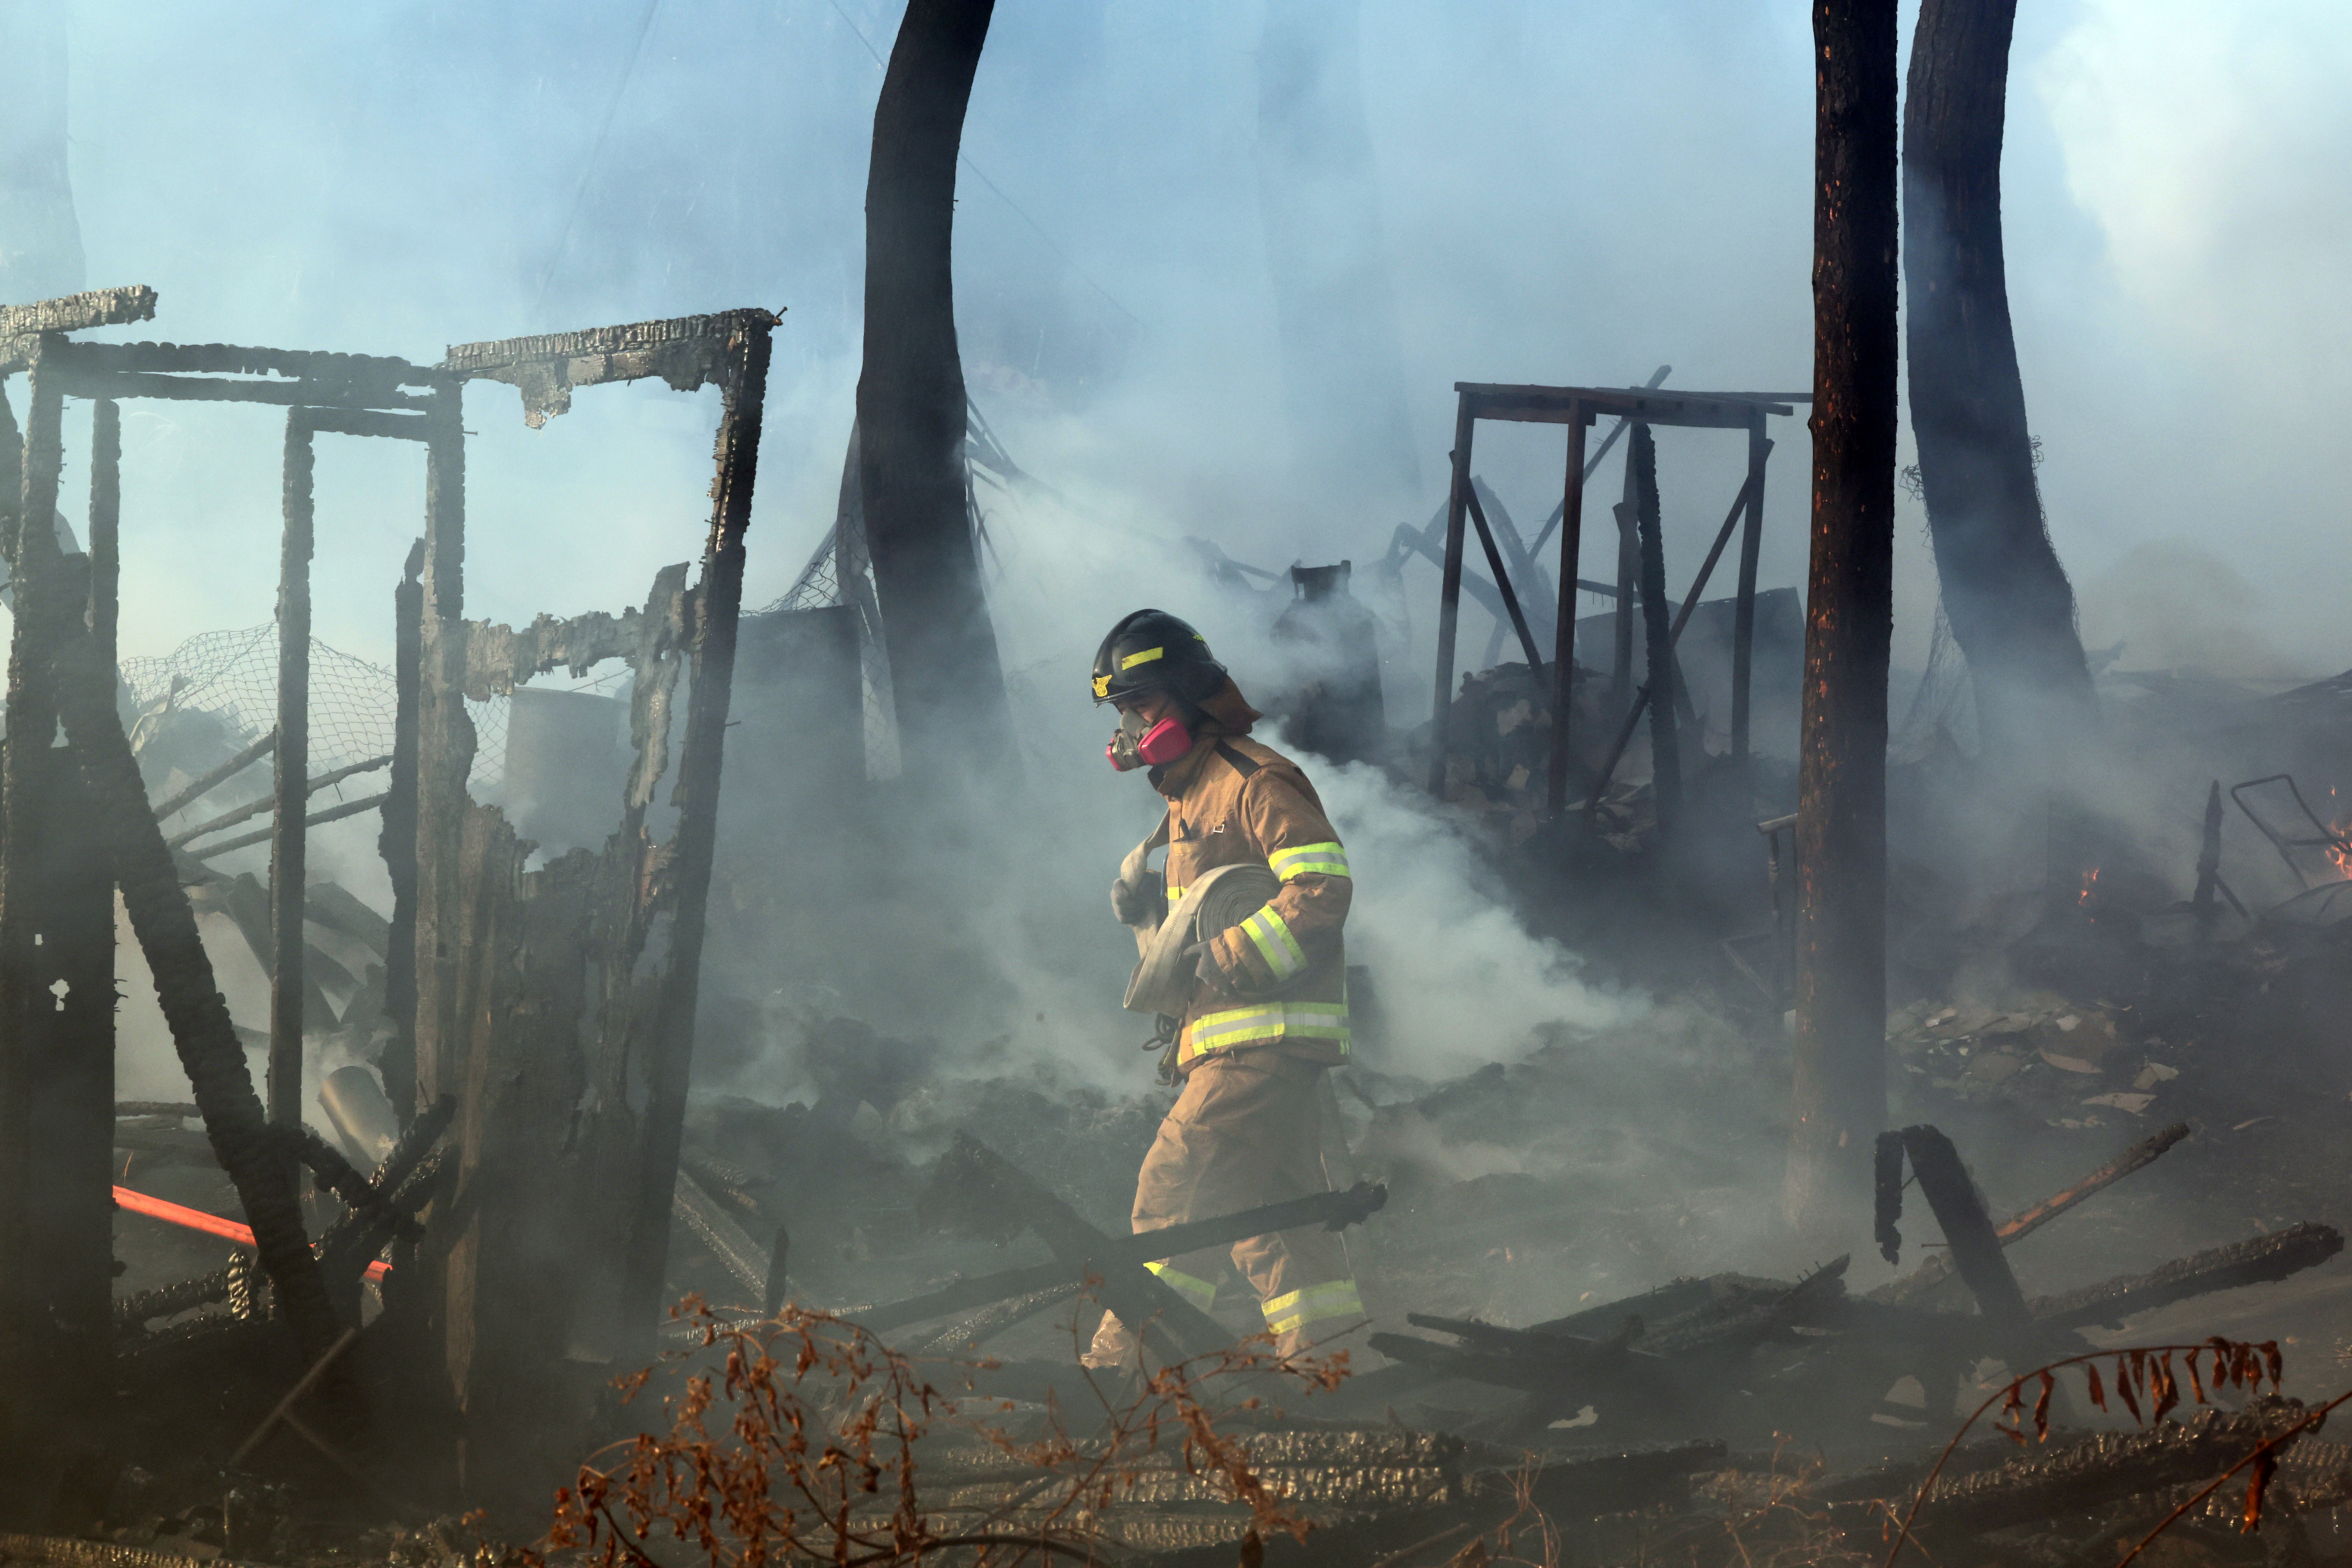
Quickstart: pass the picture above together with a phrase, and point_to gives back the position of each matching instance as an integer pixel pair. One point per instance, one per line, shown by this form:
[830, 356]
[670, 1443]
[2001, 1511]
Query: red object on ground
[211, 1224]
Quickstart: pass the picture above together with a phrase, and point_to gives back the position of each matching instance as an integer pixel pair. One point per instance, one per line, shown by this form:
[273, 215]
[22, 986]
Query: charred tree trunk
[1840, 1100]
[944, 669]
[40, 235]
[1318, 195]
[2010, 607]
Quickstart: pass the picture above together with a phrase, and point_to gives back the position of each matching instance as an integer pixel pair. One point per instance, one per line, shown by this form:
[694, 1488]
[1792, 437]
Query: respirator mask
[1139, 743]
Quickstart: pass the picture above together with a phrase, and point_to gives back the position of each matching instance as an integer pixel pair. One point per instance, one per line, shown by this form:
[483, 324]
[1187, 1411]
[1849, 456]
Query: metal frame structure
[1577, 407]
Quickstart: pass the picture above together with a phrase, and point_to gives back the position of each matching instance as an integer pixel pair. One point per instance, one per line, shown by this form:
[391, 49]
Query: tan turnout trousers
[1247, 1131]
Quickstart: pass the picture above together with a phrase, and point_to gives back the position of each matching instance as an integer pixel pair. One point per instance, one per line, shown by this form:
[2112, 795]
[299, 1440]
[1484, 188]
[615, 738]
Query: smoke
[1565, 194]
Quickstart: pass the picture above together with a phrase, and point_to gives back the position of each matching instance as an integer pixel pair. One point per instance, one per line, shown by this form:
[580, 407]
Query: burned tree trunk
[944, 668]
[1319, 197]
[2010, 607]
[40, 235]
[1840, 1098]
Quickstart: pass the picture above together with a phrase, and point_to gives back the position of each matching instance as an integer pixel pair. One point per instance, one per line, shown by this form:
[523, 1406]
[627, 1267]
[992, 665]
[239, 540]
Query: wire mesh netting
[233, 676]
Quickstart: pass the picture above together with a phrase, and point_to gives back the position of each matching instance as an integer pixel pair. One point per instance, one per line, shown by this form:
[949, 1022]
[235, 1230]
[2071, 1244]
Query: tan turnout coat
[1281, 976]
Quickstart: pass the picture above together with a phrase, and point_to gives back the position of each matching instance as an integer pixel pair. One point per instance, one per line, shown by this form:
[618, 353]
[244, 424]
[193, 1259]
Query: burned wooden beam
[975, 1185]
[1743, 623]
[57, 1012]
[2064, 1479]
[290, 838]
[1519, 619]
[1553, 405]
[208, 1043]
[717, 1230]
[1449, 597]
[2254, 1261]
[1333, 1211]
[1975, 1249]
[1933, 1282]
[1666, 740]
[22, 325]
[262, 836]
[688, 352]
[257, 807]
[195, 791]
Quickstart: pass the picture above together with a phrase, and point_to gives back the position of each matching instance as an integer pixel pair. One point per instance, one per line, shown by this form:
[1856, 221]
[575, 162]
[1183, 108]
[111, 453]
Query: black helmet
[1151, 650]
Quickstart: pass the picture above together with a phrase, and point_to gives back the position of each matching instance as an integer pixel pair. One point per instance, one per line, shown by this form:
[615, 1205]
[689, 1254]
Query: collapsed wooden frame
[57, 1036]
[1577, 407]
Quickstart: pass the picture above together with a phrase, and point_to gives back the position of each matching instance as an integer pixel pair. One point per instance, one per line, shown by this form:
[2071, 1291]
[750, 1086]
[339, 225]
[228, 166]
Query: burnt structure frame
[665, 881]
[56, 884]
[1577, 407]
[55, 1308]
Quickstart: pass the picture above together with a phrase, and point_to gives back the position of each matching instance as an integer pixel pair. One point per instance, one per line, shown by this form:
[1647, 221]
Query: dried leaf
[2165, 1388]
[2265, 1465]
[2096, 1390]
[2125, 1379]
[2042, 1406]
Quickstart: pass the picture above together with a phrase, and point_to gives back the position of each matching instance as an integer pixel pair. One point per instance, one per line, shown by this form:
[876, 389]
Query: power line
[982, 174]
[596, 152]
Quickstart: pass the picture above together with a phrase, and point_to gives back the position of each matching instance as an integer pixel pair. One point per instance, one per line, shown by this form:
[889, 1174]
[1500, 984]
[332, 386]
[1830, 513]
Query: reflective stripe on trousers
[1201, 1293]
[1335, 1299]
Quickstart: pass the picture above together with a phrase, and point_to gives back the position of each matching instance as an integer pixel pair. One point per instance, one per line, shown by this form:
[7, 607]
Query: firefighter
[1268, 1013]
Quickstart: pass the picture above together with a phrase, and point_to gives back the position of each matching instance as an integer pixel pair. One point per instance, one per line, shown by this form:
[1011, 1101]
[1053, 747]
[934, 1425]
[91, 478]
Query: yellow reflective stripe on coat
[1174, 894]
[1269, 1021]
[1338, 1298]
[1275, 943]
[1201, 1293]
[1146, 656]
[1320, 859]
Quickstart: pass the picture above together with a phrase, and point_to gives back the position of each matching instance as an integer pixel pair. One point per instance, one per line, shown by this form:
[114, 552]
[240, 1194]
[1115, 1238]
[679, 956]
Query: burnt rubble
[1587, 1339]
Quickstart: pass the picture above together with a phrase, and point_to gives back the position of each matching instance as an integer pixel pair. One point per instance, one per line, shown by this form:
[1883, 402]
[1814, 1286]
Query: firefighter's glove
[1206, 967]
[1136, 903]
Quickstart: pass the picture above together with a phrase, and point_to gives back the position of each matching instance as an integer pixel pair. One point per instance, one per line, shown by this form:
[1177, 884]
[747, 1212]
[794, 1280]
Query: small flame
[2090, 881]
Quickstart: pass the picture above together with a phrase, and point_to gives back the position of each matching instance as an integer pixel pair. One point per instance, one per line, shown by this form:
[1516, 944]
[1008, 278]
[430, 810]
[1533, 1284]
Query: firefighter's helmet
[1149, 650]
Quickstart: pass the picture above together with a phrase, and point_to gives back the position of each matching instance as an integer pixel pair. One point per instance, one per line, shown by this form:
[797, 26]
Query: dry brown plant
[802, 1442]
[2145, 1383]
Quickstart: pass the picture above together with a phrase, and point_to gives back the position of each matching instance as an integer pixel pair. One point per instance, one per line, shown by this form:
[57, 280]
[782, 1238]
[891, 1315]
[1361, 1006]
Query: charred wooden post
[1975, 1244]
[973, 1180]
[1674, 640]
[1518, 617]
[1629, 581]
[105, 525]
[1449, 595]
[1563, 674]
[2203, 908]
[946, 675]
[288, 842]
[251, 1154]
[1840, 1099]
[718, 602]
[397, 841]
[1743, 625]
[57, 1018]
[557, 1005]
[1665, 743]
